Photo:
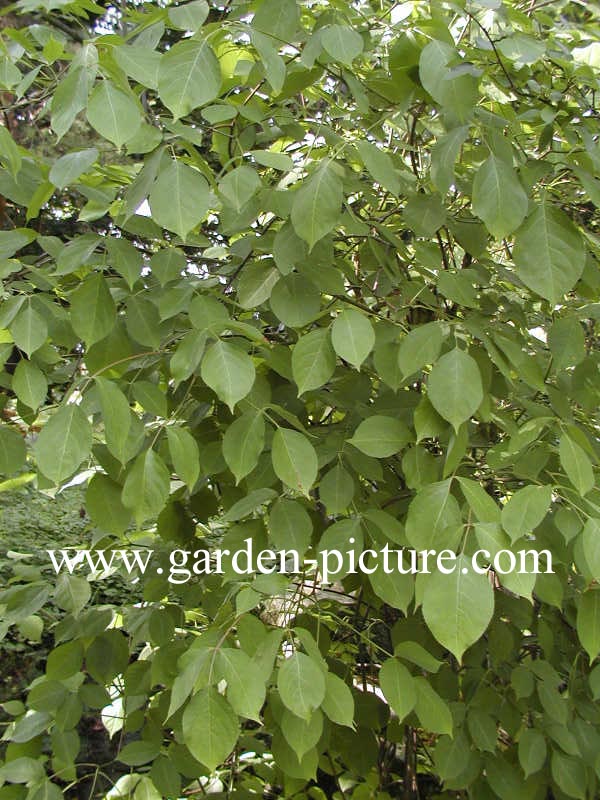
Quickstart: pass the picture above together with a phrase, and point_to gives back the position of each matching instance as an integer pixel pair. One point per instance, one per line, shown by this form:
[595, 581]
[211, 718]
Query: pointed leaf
[294, 459]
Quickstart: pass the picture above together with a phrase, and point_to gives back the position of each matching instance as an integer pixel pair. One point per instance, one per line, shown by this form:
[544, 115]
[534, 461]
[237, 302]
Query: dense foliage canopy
[305, 272]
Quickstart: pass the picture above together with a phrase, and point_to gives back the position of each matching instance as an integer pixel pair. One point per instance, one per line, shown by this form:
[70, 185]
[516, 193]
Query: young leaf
[294, 459]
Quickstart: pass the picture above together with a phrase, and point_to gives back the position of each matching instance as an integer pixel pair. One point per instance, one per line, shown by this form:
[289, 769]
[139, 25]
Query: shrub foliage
[305, 273]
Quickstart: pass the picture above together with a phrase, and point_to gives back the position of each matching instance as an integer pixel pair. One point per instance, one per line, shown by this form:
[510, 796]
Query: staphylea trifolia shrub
[300, 273]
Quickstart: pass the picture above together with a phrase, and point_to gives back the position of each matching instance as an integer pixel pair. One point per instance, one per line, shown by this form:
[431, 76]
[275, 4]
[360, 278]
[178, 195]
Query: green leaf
[566, 340]
[456, 92]
[432, 711]
[69, 167]
[352, 336]
[29, 330]
[588, 622]
[93, 311]
[380, 436]
[123, 430]
[180, 198]
[342, 43]
[12, 241]
[313, 360]
[104, 505]
[139, 63]
[336, 490]
[443, 157]
[424, 214]
[256, 283]
[525, 510]
[245, 685]
[64, 442]
[458, 607]
[301, 684]
[294, 459]
[532, 751]
[184, 455]
[549, 253]
[570, 775]
[481, 504]
[189, 76]
[114, 114]
[10, 155]
[380, 165]
[239, 186]
[498, 197]
[228, 371]
[482, 728]
[69, 99]
[576, 464]
[72, 593]
[146, 487]
[317, 204]
[12, 451]
[301, 735]
[454, 387]
[278, 18]
[243, 443]
[295, 300]
[189, 16]
[290, 526]
[590, 544]
[420, 347]
[397, 684]
[210, 728]
[338, 703]
[29, 384]
[434, 519]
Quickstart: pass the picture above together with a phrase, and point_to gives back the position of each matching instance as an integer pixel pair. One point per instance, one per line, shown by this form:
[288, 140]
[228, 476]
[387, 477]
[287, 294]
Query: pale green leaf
[317, 205]
[301, 685]
[210, 727]
[294, 459]
[352, 336]
[380, 436]
[313, 360]
[498, 197]
[64, 442]
[114, 114]
[189, 76]
[458, 607]
[243, 443]
[549, 253]
[228, 371]
[454, 387]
